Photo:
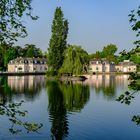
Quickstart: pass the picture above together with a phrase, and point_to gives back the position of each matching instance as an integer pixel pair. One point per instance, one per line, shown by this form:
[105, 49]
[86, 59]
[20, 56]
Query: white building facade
[100, 66]
[27, 65]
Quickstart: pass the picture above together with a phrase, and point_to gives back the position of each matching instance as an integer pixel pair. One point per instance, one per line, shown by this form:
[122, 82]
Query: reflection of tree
[62, 98]
[75, 96]
[57, 109]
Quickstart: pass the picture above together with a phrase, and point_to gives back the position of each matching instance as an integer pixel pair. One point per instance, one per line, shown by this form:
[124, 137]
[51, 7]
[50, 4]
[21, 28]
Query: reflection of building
[126, 66]
[27, 65]
[22, 83]
[101, 66]
[100, 80]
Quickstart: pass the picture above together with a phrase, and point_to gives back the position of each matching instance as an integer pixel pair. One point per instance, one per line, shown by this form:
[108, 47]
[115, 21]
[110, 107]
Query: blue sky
[92, 23]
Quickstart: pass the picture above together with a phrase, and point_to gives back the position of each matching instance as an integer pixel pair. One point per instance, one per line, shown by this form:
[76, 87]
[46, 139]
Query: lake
[75, 111]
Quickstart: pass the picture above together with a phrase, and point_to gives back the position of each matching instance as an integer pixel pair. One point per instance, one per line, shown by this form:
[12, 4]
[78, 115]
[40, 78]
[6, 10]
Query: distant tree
[57, 44]
[7, 53]
[124, 55]
[108, 53]
[109, 50]
[30, 50]
[76, 60]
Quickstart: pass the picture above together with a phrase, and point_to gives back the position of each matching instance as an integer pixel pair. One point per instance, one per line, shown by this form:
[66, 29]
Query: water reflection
[107, 84]
[63, 98]
[27, 87]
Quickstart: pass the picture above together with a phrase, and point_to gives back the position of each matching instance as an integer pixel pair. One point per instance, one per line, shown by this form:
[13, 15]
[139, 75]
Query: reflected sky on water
[80, 110]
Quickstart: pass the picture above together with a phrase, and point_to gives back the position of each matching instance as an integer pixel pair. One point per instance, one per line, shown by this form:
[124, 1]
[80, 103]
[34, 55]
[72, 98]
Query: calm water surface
[73, 111]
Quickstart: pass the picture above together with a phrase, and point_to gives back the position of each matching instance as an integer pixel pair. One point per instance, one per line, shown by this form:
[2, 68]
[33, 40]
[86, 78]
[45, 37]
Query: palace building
[27, 65]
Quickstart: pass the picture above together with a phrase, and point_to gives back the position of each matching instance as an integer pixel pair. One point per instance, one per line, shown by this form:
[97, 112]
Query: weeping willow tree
[75, 61]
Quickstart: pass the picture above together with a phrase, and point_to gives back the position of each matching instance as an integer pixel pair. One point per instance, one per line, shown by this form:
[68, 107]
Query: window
[20, 68]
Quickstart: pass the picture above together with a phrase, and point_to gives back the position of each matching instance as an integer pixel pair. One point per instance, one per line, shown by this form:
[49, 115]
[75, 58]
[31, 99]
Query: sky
[93, 24]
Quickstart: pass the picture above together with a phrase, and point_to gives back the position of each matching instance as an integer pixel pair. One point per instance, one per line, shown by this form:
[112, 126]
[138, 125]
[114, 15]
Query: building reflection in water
[22, 82]
[28, 87]
[107, 84]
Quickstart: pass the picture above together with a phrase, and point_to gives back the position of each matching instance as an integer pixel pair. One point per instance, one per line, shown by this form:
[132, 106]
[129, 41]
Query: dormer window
[35, 61]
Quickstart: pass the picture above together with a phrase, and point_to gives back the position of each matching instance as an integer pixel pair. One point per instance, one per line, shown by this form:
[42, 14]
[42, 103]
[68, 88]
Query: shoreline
[21, 73]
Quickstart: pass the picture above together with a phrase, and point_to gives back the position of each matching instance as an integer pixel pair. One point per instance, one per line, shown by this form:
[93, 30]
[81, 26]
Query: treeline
[108, 53]
[9, 52]
[64, 58]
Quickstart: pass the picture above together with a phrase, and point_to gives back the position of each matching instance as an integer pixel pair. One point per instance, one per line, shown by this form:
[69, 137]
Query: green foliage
[135, 20]
[125, 98]
[75, 61]
[8, 52]
[14, 114]
[108, 53]
[109, 50]
[58, 42]
[136, 119]
[11, 13]
[30, 50]
[51, 72]
[124, 56]
[133, 55]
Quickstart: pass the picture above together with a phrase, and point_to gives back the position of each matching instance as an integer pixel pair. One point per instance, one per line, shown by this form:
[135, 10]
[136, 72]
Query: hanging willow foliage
[75, 61]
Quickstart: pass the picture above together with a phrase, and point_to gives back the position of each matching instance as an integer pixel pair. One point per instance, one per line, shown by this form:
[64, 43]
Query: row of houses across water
[105, 66]
[95, 66]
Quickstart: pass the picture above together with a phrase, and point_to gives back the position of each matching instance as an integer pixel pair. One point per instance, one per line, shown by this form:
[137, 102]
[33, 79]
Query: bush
[51, 73]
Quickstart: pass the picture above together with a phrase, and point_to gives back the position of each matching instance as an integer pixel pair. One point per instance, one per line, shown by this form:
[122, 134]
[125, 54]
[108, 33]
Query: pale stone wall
[121, 68]
[11, 68]
[107, 68]
[27, 67]
[96, 67]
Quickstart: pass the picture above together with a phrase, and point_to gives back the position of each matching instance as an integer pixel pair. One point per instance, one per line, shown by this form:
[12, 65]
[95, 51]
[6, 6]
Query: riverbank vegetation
[62, 57]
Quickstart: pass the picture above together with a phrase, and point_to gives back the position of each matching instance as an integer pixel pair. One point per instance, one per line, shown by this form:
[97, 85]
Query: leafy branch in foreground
[11, 24]
[125, 98]
[134, 85]
[14, 114]
[134, 77]
[128, 96]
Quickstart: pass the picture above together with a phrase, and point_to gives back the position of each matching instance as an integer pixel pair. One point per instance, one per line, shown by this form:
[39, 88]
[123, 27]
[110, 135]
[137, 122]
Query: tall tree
[57, 44]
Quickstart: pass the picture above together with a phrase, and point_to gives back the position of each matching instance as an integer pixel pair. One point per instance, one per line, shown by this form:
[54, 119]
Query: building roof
[127, 63]
[25, 60]
[101, 61]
